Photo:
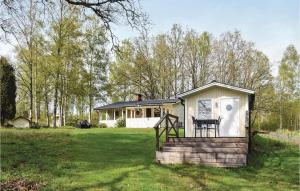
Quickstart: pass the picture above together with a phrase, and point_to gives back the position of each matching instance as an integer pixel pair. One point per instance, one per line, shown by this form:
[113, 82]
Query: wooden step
[211, 159]
[241, 150]
[200, 155]
[206, 144]
[211, 139]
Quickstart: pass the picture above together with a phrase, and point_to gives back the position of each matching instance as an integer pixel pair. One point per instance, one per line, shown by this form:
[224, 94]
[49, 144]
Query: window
[228, 107]
[156, 112]
[138, 113]
[117, 114]
[128, 113]
[148, 112]
[204, 109]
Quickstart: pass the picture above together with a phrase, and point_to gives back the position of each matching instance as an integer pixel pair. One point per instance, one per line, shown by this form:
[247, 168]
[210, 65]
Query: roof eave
[247, 91]
[146, 104]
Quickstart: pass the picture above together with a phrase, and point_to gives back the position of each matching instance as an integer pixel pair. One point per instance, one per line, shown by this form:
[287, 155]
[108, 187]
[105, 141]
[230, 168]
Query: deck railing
[165, 125]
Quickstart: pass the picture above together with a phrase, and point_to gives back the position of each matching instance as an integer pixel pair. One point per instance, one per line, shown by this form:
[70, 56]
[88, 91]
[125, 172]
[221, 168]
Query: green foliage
[288, 90]
[7, 90]
[124, 159]
[270, 124]
[277, 104]
[35, 126]
[121, 122]
[180, 60]
[289, 72]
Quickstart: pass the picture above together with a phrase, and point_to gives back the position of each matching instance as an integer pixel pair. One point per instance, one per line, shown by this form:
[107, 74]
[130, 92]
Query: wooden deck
[220, 151]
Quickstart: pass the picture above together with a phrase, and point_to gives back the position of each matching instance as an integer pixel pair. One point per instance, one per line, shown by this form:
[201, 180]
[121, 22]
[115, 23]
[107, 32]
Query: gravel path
[284, 137]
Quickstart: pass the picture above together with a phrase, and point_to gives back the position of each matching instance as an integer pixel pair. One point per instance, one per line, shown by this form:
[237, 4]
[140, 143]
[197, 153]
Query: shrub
[35, 125]
[102, 125]
[72, 124]
[268, 125]
[120, 123]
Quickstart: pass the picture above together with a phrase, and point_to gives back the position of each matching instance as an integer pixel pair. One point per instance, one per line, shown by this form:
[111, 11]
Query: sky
[271, 24]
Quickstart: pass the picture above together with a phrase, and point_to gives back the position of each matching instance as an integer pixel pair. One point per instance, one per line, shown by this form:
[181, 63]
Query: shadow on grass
[272, 166]
[124, 160]
[70, 157]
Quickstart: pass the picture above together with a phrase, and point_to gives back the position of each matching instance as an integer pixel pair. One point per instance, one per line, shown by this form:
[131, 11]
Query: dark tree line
[7, 91]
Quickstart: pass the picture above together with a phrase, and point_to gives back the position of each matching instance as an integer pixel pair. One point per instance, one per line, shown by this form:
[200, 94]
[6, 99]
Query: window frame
[211, 104]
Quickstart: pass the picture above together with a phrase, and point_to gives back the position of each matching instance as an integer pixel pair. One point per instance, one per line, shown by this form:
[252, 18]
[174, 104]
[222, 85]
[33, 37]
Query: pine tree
[8, 90]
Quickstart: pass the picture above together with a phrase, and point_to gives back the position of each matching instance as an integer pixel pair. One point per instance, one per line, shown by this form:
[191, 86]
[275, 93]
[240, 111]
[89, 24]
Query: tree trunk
[30, 94]
[30, 68]
[36, 91]
[55, 103]
[60, 109]
[90, 108]
[280, 119]
[47, 110]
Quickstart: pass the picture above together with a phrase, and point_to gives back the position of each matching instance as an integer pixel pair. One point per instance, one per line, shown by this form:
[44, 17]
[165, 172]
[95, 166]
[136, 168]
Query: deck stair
[212, 151]
[220, 151]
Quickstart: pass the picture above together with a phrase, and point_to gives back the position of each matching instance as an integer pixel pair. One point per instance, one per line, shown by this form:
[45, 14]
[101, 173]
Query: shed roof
[21, 117]
[137, 103]
[216, 84]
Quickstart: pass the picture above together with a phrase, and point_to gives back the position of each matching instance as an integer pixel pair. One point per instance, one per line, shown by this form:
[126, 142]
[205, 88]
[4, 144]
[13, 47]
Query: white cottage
[215, 118]
[229, 104]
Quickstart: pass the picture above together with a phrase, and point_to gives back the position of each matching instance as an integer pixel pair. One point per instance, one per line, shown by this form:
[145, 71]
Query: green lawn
[123, 159]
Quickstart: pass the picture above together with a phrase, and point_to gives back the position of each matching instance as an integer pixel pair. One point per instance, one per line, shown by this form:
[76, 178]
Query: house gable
[215, 84]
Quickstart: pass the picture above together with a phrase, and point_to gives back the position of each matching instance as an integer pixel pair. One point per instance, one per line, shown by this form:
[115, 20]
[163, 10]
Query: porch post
[106, 114]
[114, 115]
[159, 111]
[143, 112]
[133, 112]
[126, 113]
[122, 114]
[99, 117]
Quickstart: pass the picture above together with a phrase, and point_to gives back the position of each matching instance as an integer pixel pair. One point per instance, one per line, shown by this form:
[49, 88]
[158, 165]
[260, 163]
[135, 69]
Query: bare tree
[110, 12]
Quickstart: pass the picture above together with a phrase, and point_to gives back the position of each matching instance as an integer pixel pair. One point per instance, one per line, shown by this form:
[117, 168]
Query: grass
[123, 159]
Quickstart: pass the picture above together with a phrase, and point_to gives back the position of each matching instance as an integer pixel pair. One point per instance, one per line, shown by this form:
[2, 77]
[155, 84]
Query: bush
[72, 124]
[268, 125]
[74, 120]
[120, 123]
[35, 126]
[102, 125]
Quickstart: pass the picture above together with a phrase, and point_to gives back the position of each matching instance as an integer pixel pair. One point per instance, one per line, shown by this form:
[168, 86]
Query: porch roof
[155, 102]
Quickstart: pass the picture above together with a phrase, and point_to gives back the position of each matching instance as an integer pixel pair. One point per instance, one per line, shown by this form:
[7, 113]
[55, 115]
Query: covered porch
[135, 117]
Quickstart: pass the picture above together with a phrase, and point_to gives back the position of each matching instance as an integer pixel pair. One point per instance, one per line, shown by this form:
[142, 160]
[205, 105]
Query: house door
[229, 113]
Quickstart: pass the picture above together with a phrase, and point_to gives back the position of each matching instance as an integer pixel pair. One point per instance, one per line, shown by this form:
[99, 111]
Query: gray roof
[213, 84]
[137, 103]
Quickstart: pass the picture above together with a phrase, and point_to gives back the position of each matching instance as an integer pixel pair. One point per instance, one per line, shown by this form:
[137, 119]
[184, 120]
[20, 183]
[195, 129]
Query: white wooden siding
[215, 94]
